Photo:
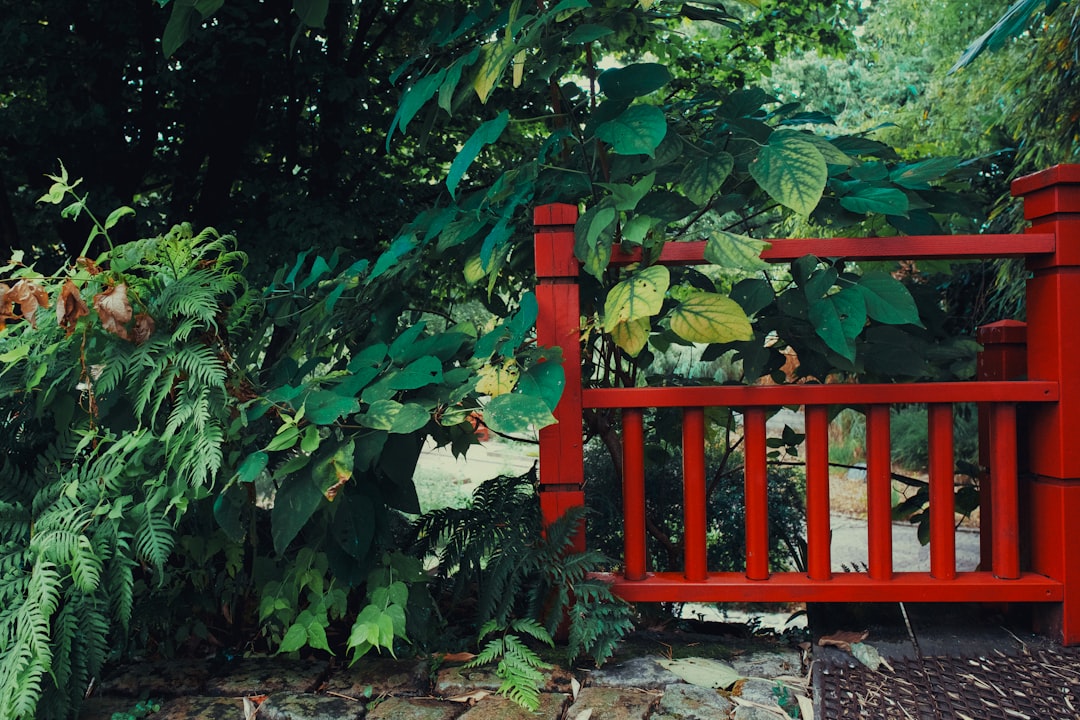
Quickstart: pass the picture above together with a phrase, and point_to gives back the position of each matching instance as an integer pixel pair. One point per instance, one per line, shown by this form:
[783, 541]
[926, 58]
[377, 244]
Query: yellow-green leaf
[495, 380]
[496, 56]
[705, 317]
[631, 335]
[701, 179]
[791, 170]
[639, 296]
[731, 250]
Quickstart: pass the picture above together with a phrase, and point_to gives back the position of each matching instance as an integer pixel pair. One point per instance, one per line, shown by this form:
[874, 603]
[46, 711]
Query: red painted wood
[843, 587]
[886, 248]
[633, 471]
[756, 486]
[1053, 507]
[561, 454]
[1003, 357]
[832, 394]
[694, 516]
[818, 534]
[555, 503]
[555, 214]
[1006, 511]
[942, 502]
[879, 492]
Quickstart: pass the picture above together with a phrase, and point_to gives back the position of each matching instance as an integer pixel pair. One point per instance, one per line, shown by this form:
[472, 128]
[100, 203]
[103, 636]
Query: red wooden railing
[1028, 510]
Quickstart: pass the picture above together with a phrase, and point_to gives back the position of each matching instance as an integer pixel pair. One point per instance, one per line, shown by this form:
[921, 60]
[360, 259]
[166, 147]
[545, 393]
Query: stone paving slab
[375, 676]
[415, 709]
[495, 707]
[308, 706]
[454, 681]
[264, 676]
[162, 678]
[607, 703]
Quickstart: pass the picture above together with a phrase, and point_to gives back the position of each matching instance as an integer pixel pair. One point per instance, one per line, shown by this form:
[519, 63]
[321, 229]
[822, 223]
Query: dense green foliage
[202, 450]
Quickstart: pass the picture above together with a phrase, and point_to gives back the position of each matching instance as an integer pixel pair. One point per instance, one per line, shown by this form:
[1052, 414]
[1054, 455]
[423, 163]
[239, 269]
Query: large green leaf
[414, 98]
[830, 327]
[705, 317]
[633, 81]
[593, 235]
[887, 300]
[544, 380]
[298, 497]
[486, 134]
[514, 413]
[419, 373]
[888, 201]
[584, 34]
[638, 130]
[639, 296]
[702, 178]
[324, 407]
[792, 170]
[917, 176]
[312, 13]
[496, 56]
[392, 416]
[632, 335]
[734, 251]
[627, 196]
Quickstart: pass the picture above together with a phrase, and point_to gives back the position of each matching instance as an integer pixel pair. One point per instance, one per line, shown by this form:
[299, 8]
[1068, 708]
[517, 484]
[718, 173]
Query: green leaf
[888, 201]
[701, 179]
[403, 343]
[394, 417]
[486, 134]
[638, 130]
[917, 176]
[730, 250]
[584, 34]
[324, 407]
[295, 502]
[626, 196]
[414, 98]
[514, 413]
[832, 154]
[593, 236]
[639, 296]
[286, 437]
[252, 466]
[544, 380]
[183, 21]
[632, 335]
[887, 300]
[791, 170]
[419, 373]
[704, 672]
[312, 13]
[633, 81]
[705, 317]
[838, 319]
[115, 215]
[496, 56]
[295, 638]
[453, 77]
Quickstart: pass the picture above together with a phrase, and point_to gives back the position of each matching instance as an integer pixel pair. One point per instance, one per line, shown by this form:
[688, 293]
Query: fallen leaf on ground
[470, 698]
[575, 688]
[868, 656]
[843, 639]
[703, 672]
[584, 715]
[458, 657]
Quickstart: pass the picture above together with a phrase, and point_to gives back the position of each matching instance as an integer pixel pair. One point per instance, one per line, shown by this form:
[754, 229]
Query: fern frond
[154, 539]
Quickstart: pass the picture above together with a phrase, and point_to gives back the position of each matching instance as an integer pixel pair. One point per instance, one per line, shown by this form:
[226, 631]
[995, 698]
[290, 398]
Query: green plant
[525, 578]
[113, 423]
[142, 709]
[518, 666]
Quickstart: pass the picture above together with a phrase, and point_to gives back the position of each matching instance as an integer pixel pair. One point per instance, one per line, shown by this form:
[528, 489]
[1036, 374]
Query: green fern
[519, 667]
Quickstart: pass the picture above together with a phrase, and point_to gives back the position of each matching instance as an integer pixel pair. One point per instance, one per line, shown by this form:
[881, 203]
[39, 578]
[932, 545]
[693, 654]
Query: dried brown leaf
[89, 265]
[843, 639]
[470, 698]
[70, 307]
[458, 657]
[143, 329]
[114, 309]
[6, 305]
[30, 296]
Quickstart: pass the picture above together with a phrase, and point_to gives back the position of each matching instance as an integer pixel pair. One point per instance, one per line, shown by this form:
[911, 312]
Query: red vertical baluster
[558, 324]
[633, 471]
[879, 491]
[818, 530]
[756, 484]
[942, 505]
[696, 566]
[1006, 545]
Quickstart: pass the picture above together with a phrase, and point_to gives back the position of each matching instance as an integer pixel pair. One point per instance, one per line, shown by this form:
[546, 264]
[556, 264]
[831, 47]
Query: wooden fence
[1030, 511]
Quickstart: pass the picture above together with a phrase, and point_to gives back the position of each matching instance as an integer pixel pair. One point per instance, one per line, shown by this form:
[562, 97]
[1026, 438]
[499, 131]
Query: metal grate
[1038, 685]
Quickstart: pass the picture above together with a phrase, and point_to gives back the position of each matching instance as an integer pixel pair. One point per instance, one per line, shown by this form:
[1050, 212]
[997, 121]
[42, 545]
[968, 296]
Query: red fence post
[562, 471]
[1003, 357]
[1052, 204]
